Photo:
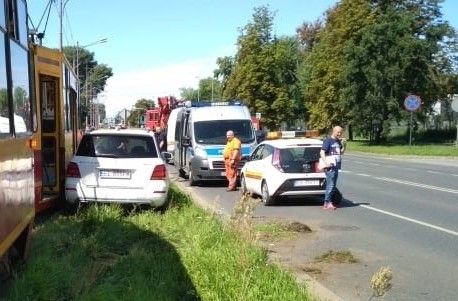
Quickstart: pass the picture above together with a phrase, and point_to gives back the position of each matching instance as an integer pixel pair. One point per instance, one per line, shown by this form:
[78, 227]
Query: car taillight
[159, 173]
[73, 171]
[317, 168]
[276, 160]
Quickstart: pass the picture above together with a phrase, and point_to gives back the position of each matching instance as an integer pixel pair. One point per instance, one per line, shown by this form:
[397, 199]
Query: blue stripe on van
[218, 151]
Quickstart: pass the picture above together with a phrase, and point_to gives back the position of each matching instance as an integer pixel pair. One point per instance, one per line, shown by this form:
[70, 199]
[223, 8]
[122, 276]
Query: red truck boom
[159, 116]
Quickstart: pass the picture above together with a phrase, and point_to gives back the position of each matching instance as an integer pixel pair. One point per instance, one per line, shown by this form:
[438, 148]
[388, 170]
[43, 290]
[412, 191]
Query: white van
[198, 134]
[171, 125]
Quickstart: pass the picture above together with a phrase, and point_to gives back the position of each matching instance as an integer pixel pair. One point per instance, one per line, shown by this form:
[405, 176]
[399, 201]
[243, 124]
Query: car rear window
[117, 146]
[305, 154]
[299, 159]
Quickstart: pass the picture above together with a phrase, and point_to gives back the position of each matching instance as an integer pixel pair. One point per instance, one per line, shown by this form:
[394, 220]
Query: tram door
[49, 99]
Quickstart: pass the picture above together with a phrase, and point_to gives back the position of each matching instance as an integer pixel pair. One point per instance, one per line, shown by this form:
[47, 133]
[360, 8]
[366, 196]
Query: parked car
[118, 166]
[282, 167]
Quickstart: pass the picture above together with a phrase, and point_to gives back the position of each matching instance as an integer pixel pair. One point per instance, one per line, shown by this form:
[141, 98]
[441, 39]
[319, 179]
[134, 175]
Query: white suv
[285, 167]
[118, 166]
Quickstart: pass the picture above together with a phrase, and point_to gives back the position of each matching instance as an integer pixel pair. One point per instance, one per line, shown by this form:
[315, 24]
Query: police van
[199, 137]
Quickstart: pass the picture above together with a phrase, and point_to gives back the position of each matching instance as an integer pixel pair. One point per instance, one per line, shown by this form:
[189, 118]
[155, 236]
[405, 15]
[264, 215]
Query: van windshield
[214, 131]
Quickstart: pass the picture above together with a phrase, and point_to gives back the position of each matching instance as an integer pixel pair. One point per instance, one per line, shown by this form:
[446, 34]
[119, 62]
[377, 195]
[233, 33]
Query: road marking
[407, 182]
[411, 220]
[418, 185]
[432, 171]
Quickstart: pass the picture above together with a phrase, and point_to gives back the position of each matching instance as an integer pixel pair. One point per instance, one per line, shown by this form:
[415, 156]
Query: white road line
[411, 220]
[418, 185]
[431, 171]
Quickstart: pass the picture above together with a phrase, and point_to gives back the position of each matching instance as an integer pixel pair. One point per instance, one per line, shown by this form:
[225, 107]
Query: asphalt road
[397, 212]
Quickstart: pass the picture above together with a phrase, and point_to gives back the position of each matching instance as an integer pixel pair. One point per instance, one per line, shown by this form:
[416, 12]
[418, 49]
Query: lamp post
[78, 47]
[92, 99]
[198, 89]
[213, 81]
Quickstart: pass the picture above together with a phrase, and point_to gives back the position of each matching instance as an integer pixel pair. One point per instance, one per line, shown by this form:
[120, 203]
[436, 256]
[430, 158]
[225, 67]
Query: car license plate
[114, 174]
[299, 183]
[223, 173]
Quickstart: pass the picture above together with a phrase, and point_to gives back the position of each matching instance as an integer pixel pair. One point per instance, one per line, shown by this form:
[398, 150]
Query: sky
[157, 47]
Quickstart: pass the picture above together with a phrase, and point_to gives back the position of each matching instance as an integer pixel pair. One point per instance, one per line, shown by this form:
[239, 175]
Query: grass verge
[105, 252]
[430, 150]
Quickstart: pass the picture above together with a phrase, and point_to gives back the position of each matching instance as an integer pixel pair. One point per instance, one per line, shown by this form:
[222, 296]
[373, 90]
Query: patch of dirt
[297, 227]
[294, 252]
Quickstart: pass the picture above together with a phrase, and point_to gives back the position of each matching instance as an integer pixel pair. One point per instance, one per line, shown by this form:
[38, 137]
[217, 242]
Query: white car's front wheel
[243, 184]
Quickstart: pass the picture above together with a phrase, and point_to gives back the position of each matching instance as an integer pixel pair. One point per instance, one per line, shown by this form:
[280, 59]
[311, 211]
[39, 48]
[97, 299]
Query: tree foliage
[324, 64]
[263, 72]
[92, 75]
[369, 56]
[353, 67]
[139, 109]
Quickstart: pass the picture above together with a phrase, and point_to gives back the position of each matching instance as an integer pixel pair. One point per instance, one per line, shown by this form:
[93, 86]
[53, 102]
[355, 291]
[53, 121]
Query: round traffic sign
[412, 103]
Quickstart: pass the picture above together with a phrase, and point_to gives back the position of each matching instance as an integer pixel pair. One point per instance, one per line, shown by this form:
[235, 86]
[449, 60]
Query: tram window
[17, 20]
[4, 111]
[21, 99]
[48, 96]
[22, 21]
[2, 16]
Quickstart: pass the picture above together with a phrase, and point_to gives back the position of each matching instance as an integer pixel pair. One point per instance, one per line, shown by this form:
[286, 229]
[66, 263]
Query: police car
[284, 165]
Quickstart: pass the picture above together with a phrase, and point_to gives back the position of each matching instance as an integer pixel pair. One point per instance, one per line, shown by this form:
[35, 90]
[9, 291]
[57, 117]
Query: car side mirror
[186, 141]
[166, 155]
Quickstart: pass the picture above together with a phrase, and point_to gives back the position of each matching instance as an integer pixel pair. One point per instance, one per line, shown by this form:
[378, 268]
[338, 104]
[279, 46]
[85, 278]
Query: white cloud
[124, 89]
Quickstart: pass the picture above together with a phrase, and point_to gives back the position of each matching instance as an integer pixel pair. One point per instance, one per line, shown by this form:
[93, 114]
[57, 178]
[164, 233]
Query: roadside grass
[109, 252]
[432, 150]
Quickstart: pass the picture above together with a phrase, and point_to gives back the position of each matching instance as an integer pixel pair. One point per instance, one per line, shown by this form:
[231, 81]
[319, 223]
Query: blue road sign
[412, 103]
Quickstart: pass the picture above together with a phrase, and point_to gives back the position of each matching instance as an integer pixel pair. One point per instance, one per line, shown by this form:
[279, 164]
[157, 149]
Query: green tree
[92, 75]
[139, 109]
[224, 70]
[210, 89]
[323, 65]
[188, 93]
[396, 56]
[263, 72]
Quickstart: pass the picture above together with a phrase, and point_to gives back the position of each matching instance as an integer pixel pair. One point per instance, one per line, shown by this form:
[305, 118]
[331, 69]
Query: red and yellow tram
[39, 128]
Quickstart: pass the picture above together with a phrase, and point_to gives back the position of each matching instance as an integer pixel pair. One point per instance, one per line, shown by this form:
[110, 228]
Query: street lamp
[78, 47]
[198, 89]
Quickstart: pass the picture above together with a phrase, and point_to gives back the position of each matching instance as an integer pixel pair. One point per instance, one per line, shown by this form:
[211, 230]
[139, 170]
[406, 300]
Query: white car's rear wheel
[267, 199]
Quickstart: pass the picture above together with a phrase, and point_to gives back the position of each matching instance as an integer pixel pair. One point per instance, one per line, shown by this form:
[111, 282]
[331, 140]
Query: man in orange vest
[232, 155]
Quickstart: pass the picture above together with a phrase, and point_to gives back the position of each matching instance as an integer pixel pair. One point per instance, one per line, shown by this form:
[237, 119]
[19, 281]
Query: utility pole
[61, 14]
